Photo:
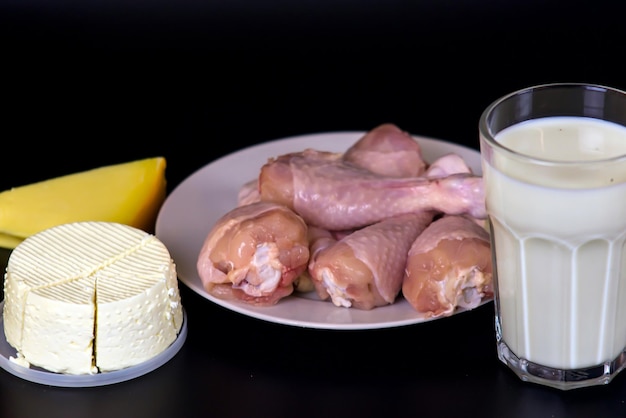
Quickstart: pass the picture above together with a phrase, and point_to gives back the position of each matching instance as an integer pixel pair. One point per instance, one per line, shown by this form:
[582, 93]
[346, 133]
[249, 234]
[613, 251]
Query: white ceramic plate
[190, 211]
[38, 375]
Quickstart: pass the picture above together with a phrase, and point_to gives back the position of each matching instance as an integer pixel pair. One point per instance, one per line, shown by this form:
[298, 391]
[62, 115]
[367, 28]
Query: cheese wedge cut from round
[129, 193]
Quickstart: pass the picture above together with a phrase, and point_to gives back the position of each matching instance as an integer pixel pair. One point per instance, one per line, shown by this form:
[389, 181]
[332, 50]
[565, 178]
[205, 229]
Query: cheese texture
[89, 297]
[130, 193]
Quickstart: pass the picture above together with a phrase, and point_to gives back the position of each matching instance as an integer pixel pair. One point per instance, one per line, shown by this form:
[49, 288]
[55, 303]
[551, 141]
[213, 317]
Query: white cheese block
[88, 297]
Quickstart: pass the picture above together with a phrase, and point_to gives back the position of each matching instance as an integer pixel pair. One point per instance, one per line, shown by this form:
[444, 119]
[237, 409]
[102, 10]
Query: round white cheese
[90, 297]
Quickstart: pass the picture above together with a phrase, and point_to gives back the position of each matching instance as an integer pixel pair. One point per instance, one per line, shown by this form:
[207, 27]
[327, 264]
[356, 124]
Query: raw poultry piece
[254, 253]
[386, 150]
[318, 239]
[331, 194]
[447, 165]
[448, 266]
[365, 269]
[389, 151]
[248, 193]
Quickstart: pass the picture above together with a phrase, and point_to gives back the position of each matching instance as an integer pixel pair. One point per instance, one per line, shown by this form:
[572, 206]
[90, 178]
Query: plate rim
[268, 313]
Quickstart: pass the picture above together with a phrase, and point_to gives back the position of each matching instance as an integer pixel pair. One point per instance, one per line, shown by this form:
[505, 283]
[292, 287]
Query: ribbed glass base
[563, 379]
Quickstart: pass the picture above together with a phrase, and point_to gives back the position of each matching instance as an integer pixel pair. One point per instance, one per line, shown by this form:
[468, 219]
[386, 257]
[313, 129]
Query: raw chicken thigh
[365, 269]
[332, 194]
[448, 266]
[389, 151]
[254, 253]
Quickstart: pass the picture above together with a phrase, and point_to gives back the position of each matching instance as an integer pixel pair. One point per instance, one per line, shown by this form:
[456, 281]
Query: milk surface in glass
[559, 242]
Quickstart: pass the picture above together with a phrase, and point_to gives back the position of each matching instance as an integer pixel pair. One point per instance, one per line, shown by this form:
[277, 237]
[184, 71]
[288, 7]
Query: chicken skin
[389, 151]
[365, 269]
[448, 266]
[447, 165]
[254, 253]
[329, 193]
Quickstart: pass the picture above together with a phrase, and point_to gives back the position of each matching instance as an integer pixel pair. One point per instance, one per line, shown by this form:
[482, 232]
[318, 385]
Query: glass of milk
[554, 170]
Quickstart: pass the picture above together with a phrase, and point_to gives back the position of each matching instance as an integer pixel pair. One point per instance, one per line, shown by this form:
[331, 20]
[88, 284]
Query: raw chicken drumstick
[386, 150]
[448, 266]
[389, 151]
[254, 253]
[365, 269]
[331, 194]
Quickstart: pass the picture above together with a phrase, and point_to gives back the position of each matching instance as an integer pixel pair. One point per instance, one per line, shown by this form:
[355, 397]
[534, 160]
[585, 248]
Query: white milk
[560, 242]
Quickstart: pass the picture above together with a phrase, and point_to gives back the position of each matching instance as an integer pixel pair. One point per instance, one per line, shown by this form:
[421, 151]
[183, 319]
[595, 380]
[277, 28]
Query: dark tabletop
[89, 85]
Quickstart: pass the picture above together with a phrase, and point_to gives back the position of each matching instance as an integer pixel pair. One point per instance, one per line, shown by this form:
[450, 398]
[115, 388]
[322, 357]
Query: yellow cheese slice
[129, 193]
[9, 241]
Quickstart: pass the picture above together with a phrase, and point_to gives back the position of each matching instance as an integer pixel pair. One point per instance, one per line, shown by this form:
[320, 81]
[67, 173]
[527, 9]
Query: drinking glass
[554, 171]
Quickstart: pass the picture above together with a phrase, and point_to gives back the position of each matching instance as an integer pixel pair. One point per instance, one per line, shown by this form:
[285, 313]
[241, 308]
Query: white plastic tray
[38, 375]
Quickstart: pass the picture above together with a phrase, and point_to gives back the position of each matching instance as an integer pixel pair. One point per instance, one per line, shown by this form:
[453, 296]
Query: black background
[94, 82]
[88, 83]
